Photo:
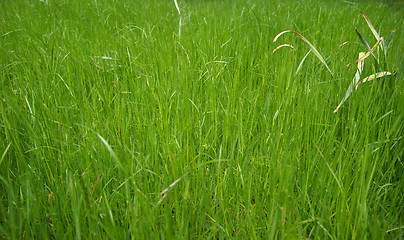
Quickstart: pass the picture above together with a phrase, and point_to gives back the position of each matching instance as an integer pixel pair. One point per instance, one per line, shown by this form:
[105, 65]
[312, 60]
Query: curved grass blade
[301, 63]
[313, 49]
[284, 45]
[363, 40]
[368, 53]
[354, 81]
[372, 77]
[111, 151]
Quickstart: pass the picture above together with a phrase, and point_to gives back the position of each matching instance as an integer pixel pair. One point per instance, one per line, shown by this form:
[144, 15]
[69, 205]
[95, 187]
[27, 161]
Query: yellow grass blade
[365, 43]
[368, 53]
[284, 45]
[313, 49]
[372, 77]
[340, 46]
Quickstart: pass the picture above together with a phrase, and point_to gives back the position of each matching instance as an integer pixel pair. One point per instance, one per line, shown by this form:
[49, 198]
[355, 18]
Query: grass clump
[112, 125]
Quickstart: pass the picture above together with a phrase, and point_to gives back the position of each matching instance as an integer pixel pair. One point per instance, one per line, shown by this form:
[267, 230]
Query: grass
[113, 126]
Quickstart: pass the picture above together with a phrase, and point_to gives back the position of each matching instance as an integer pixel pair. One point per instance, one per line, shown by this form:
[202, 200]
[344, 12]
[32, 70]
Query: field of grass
[123, 119]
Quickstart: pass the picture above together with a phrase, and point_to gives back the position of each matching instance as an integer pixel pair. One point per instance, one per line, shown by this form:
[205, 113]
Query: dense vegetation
[124, 118]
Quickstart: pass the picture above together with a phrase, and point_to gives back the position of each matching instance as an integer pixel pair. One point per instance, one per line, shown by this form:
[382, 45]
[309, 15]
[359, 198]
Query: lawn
[153, 120]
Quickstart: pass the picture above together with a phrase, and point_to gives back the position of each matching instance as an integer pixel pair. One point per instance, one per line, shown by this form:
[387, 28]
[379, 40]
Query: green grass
[250, 148]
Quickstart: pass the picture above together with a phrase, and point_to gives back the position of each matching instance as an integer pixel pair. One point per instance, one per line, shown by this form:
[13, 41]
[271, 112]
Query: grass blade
[363, 40]
[386, 44]
[179, 27]
[180, 21]
[343, 44]
[165, 191]
[312, 48]
[371, 51]
[374, 32]
[178, 8]
[401, 68]
[394, 229]
[371, 27]
[354, 81]
[4, 153]
[111, 151]
[284, 45]
[301, 63]
[372, 77]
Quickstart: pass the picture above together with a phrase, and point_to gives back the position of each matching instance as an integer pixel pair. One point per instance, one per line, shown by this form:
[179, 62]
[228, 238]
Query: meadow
[139, 120]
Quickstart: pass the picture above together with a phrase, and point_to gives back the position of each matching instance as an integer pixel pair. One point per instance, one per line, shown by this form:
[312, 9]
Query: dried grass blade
[313, 49]
[163, 193]
[394, 229]
[372, 77]
[363, 40]
[354, 81]
[340, 46]
[284, 45]
[368, 53]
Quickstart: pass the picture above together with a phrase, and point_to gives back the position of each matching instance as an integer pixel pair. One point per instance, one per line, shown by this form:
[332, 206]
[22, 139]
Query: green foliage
[112, 126]
[362, 56]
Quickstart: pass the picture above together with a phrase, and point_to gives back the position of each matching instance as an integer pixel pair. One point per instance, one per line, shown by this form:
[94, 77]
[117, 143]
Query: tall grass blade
[313, 49]
[371, 27]
[372, 77]
[374, 32]
[354, 81]
[178, 8]
[363, 40]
